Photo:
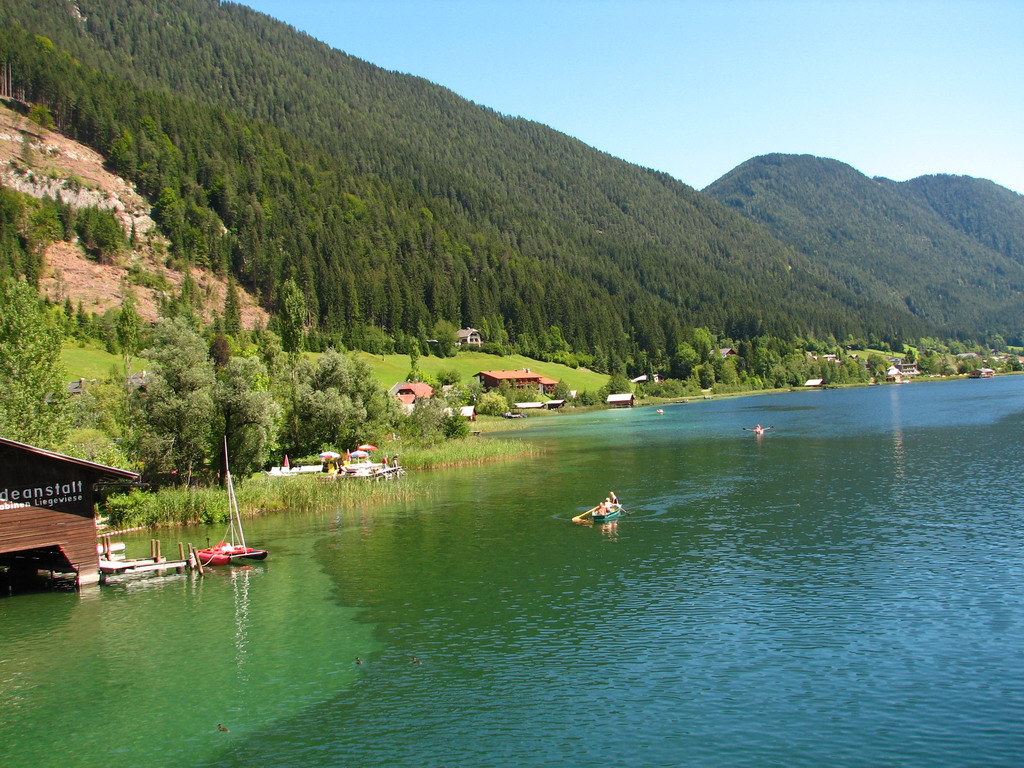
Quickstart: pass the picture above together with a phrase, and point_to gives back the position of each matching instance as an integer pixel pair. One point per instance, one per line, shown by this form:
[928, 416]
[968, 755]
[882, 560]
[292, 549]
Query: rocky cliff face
[39, 162]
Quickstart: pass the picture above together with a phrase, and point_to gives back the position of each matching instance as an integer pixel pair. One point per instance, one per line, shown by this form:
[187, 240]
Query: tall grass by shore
[472, 450]
[260, 494]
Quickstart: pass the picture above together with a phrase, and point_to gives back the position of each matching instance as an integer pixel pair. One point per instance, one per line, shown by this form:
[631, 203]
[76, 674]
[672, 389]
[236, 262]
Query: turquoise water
[845, 590]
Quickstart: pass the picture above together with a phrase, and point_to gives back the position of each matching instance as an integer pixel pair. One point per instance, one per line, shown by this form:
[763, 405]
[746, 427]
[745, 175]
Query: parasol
[366, 447]
[359, 454]
[329, 455]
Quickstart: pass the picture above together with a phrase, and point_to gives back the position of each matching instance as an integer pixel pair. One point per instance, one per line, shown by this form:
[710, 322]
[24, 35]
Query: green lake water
[846, 590]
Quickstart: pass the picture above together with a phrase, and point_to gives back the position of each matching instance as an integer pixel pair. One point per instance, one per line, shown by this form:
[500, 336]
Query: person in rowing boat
[613, 499]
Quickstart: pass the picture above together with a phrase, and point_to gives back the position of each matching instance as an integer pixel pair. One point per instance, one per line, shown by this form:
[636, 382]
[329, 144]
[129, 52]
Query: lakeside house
[533, 406]
[524, 379]
[981, 373]
[468, 412]
[895, 375]
[623, 400]
[408, 393]
[468, 336]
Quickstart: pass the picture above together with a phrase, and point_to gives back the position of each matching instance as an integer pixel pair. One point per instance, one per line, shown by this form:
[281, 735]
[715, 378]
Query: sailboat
[233, 546]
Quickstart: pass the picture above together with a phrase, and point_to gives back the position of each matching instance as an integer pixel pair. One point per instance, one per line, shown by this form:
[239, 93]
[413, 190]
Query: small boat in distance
[233, 547]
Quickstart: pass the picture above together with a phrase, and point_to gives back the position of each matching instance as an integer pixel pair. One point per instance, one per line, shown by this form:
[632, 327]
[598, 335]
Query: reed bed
[260, 494]
[471, 450]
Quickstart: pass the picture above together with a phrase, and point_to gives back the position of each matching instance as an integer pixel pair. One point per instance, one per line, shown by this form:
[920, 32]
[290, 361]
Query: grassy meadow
[391, 369]
[93, 362]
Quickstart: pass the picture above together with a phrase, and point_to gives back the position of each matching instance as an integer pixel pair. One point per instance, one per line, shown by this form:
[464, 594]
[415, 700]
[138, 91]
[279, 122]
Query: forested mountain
[991, 214]
[949, 249]
[395, 204]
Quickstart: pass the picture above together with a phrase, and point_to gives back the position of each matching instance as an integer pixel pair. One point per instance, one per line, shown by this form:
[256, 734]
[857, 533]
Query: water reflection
[240, 577]
[899, 451]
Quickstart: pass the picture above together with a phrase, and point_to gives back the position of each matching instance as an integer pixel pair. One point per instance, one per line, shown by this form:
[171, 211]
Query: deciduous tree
[33, 408]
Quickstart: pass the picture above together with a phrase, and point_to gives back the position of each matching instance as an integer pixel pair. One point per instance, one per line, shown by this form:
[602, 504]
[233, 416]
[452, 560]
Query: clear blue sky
[895, 88]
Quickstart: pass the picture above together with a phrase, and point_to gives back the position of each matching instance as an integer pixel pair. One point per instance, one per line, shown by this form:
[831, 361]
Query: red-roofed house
[409, 392]
[524, 379]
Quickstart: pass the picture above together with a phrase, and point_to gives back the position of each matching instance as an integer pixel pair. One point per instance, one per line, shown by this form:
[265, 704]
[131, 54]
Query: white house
[468, 336]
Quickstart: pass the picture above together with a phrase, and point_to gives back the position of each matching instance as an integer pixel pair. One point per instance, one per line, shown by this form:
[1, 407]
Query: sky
[895, 88]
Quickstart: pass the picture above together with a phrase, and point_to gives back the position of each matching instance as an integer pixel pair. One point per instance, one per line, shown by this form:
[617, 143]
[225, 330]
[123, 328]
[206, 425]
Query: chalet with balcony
[524, 379]
[468, 337]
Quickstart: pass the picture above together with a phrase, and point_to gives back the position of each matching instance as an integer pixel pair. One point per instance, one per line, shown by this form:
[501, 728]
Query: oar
[580, 518]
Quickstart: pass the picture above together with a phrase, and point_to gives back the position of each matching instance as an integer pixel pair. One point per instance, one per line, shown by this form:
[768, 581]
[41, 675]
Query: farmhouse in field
[467, 337]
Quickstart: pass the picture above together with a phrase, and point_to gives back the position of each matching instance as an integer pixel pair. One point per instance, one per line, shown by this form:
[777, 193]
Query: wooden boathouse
[47, 511]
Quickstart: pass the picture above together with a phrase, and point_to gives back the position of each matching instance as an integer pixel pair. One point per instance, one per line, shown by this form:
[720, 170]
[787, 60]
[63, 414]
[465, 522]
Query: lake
[844, 590]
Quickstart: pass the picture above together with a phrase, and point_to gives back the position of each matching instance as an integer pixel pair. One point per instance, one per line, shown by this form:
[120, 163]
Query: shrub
[492, 404]
[454, 426]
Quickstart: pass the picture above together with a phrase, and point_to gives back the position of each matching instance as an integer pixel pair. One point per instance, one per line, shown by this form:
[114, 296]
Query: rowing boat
[613, 513]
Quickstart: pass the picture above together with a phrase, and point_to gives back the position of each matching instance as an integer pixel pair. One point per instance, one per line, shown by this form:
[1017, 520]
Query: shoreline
[260, 495]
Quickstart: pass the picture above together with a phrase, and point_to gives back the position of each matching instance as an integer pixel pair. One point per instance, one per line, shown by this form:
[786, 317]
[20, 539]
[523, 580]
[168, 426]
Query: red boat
[228, 551]
[223, 553]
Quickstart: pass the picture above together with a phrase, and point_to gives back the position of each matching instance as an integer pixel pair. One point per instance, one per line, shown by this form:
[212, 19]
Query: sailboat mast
[234, 516]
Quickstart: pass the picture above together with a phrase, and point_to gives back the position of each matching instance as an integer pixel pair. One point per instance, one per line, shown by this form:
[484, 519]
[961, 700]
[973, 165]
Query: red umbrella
[366, 447]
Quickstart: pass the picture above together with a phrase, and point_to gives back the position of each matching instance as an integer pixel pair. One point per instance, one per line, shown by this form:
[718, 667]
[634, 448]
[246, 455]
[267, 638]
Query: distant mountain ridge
[991, 214]
[948, 249]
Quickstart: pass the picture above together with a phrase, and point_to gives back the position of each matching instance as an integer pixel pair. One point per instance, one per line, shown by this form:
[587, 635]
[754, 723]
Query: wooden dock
[112, 561]
[125, 567]
[357, 472]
